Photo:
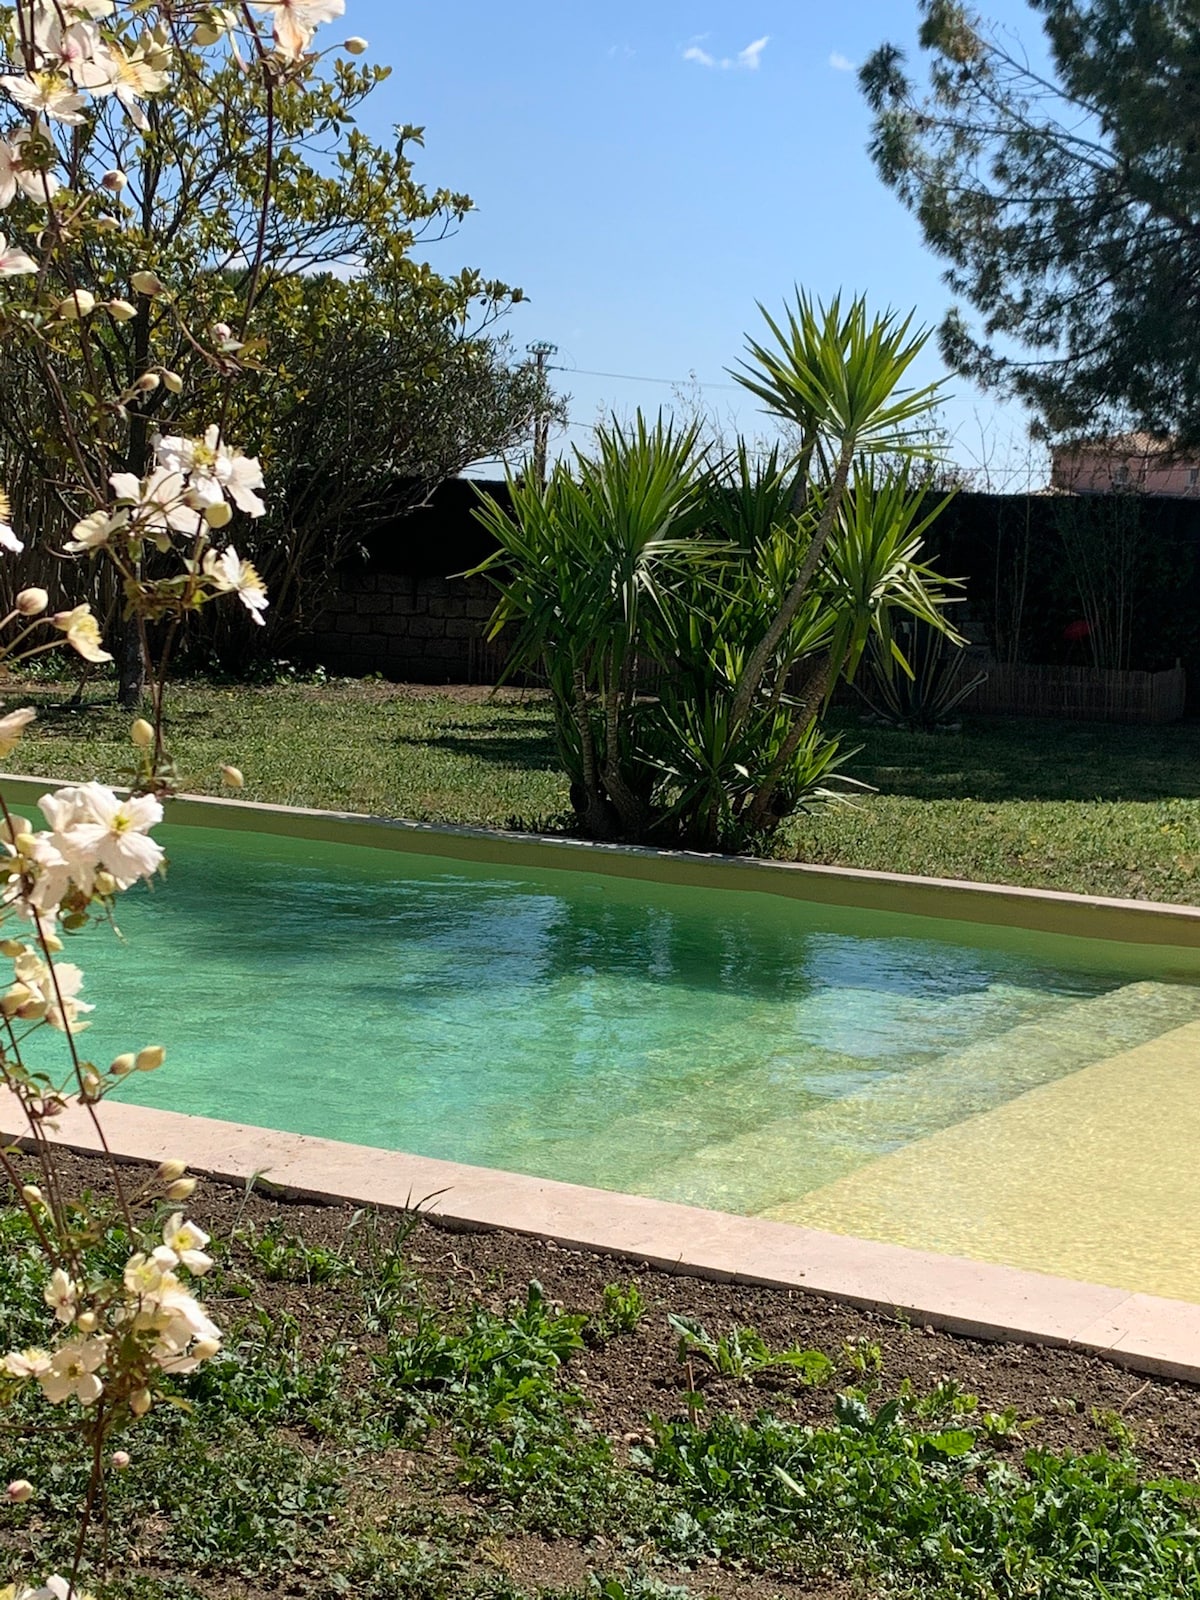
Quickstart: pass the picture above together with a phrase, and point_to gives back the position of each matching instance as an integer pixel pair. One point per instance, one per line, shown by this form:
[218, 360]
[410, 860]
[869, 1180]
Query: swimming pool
[722, 1047]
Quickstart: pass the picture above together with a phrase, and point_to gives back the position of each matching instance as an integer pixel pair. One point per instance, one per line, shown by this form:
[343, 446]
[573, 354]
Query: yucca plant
[929, 695]
[586, 567]
[750, 587]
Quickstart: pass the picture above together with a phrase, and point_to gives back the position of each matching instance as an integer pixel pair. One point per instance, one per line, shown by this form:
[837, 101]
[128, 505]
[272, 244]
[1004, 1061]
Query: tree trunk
[758, 814]
[132, 667]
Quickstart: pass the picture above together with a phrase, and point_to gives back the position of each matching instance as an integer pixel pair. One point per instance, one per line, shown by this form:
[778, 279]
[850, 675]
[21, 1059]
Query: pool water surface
[726, 1048]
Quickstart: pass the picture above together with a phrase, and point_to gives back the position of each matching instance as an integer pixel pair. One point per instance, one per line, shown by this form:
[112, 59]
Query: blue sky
[648, 171]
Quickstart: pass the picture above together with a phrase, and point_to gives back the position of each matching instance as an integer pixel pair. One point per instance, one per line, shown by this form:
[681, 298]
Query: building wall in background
[1135, 462]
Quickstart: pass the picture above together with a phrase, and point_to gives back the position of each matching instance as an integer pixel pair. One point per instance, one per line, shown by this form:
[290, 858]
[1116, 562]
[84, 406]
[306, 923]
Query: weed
[927, 1508]
[622, 1310]
[864, 1358]
[283, 1257]
[492, 1369]
[742, 1352]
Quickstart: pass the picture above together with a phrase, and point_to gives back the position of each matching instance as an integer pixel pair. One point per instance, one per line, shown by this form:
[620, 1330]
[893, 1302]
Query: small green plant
[1115, 1427]
[493, 1369]
[622, 1310]
[742, 1352]
[864, 1358]
[636, 1586]
[284, 1257]
[945, 1399]
[1007, 1426]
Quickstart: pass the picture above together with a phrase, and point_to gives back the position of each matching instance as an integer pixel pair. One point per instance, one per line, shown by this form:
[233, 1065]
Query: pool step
[781, 1160]
[1092, 1176]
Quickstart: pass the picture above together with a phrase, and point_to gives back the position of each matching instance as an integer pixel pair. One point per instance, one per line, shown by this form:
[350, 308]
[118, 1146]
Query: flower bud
[150, 1058]
[170, 1171]
[205, 33]
[119, 1460]
[13, 947]
[142, 733]
[148, 382]
[121, 310]
[140, 1402]
[86, 1321]
[172, 381]
[147, 283]
[219, 514]
[232, 777]
[32, 602]
[355, 45]
[79, 304]
[31, 1194]
[19, 1489]
[114, 181]
[105, 884]
[123, 1065]
[181, 1190]
[205, 1349]
[222, 332]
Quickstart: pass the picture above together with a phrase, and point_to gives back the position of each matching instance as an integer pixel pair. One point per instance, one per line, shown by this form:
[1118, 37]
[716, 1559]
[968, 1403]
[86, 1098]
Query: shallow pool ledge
[964, 1297]
[1144, 922]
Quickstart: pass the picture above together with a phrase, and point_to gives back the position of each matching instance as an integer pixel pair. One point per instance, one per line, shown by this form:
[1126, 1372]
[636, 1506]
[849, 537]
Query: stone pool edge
[977, 1299]
[1144, 922]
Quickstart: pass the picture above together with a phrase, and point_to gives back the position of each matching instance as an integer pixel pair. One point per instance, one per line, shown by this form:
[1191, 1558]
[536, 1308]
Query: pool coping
[977, 1299]
[1053, 911]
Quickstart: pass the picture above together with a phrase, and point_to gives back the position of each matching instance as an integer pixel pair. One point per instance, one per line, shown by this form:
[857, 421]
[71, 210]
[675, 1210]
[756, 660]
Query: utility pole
[540, 350]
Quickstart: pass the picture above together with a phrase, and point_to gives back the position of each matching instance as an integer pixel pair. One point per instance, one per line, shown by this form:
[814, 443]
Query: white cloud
[752, 54]
[621, 52]
[747, 60]
[841, 63]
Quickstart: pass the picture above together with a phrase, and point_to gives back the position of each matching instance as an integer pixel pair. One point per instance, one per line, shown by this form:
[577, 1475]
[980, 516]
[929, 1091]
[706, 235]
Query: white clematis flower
[92, 827]
[12, 727]
[26, 1363]
[232, 575]
[213, 470]
[17, 178]
[48, 94]
[61, 1295]
[82, 631]
[293, 22]
[185, 1241]
[13, 263]
[72, 1372]
[96, 529]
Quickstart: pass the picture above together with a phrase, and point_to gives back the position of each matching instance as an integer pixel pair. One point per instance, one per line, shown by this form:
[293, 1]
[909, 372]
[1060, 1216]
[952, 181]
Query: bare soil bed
[405, 1521]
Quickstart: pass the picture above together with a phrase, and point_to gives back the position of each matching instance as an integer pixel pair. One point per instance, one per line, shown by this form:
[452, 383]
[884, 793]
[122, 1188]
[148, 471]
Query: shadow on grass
[504, 741]
[1000, 758]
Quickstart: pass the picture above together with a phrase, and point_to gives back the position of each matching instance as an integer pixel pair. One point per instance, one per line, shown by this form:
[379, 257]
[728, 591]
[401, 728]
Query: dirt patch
[1058, 1399]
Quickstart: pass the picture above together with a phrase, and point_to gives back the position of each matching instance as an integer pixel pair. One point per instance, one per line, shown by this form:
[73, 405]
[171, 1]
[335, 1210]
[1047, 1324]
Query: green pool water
[723, 1047]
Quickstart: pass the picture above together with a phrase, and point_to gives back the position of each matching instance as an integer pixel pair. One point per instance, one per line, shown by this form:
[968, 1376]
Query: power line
[633, 377]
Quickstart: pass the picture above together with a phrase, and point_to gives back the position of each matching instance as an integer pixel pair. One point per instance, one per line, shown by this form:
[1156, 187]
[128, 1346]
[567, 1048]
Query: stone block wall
[411, 629]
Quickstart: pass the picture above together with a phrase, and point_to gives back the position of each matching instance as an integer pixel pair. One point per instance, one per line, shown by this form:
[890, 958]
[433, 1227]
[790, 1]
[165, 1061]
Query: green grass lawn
[1103, 810]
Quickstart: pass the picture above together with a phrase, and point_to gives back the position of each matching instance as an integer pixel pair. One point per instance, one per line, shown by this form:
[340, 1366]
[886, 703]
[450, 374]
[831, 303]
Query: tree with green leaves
[1065, 200]
[362, 364]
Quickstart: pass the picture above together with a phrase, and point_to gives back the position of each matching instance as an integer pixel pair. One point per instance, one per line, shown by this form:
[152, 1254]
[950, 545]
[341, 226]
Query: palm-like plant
[586, 568]
[752, 588]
